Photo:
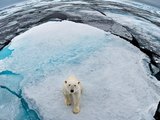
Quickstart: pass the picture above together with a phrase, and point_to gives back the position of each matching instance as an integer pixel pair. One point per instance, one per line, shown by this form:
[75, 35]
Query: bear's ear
[78, 82]
[65, 81]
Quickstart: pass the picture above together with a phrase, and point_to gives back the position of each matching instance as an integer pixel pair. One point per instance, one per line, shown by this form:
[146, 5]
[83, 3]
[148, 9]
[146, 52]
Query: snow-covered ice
[115, 75]
[139, 25]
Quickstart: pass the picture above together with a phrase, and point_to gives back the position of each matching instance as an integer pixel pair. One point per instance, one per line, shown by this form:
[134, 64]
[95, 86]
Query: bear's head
[72, 85]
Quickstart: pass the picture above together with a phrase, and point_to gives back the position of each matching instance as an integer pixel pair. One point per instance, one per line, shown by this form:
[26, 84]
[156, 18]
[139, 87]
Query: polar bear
[72, 90]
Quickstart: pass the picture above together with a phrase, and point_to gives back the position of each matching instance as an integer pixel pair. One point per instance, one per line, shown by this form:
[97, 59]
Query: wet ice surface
[99, 59]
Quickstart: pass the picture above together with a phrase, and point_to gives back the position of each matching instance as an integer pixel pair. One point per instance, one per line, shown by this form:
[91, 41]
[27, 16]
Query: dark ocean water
[4, 3]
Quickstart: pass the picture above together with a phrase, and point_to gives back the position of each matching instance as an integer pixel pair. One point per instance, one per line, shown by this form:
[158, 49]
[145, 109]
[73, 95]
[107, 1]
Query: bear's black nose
[72, 91]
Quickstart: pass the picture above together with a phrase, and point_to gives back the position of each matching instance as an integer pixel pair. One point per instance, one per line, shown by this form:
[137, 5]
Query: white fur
[72, 83]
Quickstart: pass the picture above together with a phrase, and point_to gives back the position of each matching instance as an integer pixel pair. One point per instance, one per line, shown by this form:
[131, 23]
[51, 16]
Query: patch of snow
[115, 76]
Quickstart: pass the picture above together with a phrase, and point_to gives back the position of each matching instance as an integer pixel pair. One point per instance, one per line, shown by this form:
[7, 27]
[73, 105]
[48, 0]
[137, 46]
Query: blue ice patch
[5, 52]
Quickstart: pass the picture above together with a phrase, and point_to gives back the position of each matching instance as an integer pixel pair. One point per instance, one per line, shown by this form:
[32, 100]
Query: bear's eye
[74, 85]
[69, 85]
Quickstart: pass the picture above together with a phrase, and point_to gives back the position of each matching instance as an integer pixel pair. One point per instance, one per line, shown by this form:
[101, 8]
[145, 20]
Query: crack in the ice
[31, 114]
[146, 51]
[4, 44]
[149, 54]
[98, 11]
[157, 114]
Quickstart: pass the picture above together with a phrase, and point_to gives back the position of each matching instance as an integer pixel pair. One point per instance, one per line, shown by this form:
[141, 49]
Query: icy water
[4, 3]
[155, 3]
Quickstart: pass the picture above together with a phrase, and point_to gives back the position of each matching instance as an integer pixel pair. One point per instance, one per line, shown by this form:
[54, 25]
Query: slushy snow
[114, 74]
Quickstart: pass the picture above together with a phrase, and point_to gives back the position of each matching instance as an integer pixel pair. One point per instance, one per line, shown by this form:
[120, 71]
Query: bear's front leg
[76, 102]
[76, 109]
[67, 99]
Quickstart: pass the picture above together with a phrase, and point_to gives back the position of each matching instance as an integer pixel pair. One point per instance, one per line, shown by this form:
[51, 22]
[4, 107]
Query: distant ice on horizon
[5, 3]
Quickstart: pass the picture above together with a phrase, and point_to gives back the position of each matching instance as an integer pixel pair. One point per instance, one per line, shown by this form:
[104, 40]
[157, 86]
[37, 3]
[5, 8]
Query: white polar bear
[72, 90]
